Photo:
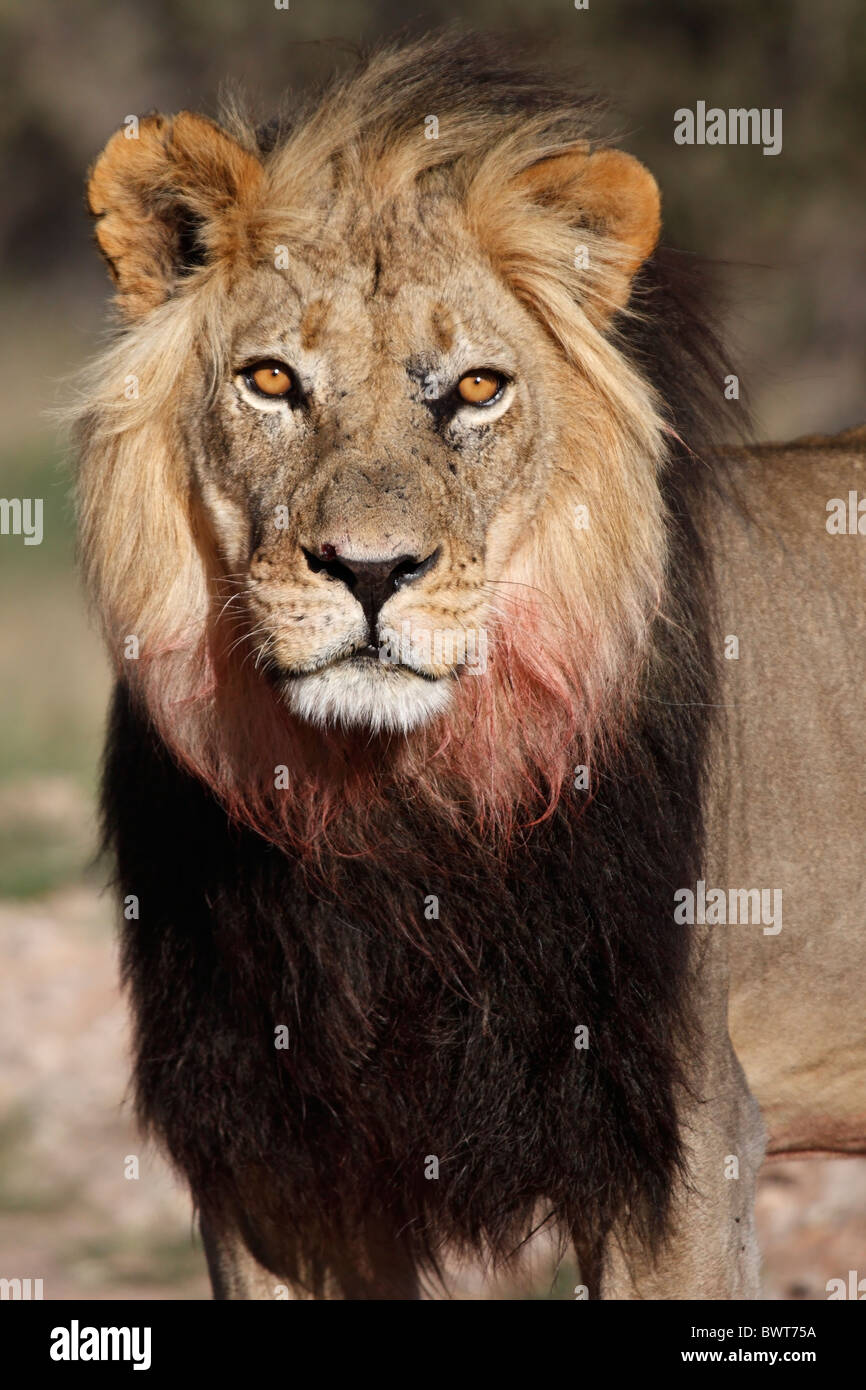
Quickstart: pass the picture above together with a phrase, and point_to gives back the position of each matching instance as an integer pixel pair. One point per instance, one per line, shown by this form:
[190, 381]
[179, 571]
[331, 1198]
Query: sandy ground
[70, 1216]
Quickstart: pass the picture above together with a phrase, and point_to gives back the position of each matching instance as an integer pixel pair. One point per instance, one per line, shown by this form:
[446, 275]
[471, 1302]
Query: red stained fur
[498, 761]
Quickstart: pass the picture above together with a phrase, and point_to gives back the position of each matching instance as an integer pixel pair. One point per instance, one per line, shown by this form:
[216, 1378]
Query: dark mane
[448, 73]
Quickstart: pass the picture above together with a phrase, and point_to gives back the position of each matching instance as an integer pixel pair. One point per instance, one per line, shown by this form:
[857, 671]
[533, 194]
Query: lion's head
[367, 476]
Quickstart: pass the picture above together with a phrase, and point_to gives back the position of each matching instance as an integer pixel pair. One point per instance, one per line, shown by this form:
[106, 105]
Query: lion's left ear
[610, 193]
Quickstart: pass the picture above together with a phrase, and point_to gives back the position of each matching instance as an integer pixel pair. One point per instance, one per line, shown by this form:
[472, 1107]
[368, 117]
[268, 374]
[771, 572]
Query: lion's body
[407, 973]
[791, 808]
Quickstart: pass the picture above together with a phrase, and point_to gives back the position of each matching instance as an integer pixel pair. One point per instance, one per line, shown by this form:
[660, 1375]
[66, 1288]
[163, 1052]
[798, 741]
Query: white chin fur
[370, 696]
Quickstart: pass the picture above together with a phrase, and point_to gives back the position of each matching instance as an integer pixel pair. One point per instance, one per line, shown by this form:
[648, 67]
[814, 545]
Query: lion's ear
[610, 193]
[172, 197]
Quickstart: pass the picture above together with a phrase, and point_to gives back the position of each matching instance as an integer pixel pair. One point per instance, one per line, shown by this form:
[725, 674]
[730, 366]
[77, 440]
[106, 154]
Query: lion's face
[383, 460]
[381, 441]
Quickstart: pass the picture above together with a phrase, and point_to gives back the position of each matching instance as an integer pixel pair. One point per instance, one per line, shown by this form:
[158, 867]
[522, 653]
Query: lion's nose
[371, 581]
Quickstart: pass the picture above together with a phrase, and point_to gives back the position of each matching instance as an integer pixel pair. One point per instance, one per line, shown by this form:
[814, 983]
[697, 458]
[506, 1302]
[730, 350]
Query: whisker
[247, 634]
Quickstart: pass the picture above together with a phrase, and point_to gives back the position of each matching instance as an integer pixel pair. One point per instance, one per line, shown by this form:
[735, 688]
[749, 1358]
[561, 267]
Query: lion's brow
[313, 321]
[443, 327]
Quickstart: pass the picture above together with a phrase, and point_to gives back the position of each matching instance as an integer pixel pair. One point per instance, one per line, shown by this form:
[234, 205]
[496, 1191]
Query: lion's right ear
[176, 195]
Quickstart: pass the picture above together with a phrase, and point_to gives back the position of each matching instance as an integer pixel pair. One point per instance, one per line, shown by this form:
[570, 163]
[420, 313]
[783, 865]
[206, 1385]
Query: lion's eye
[480, 387]
[270, 379]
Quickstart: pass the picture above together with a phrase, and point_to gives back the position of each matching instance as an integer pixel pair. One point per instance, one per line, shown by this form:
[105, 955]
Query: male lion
[437, 808]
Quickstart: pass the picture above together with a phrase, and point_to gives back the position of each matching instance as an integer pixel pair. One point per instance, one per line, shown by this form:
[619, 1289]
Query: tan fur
[136, 181]
[790, 809]
[617, 197]
[583, 428]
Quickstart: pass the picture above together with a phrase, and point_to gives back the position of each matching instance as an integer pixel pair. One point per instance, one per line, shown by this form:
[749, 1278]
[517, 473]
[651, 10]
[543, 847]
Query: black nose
[371, 581]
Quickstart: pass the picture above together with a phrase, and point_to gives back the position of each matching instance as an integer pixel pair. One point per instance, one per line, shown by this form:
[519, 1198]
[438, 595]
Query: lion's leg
[387, 1273]
[711, 1251]
[234, 1272]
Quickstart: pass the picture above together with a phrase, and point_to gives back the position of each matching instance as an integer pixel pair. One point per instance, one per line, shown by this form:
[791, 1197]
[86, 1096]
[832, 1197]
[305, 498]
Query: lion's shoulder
[781, 508]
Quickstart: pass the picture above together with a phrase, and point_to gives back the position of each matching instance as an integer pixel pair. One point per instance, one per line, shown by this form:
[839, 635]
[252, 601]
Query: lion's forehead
[384, 305]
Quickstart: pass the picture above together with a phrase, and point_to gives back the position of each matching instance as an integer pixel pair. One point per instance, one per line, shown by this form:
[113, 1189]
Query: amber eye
[480, 387]
[270, 379]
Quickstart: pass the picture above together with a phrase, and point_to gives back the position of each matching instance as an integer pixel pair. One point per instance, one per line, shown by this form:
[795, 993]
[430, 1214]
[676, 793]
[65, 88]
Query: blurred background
[790, 234]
